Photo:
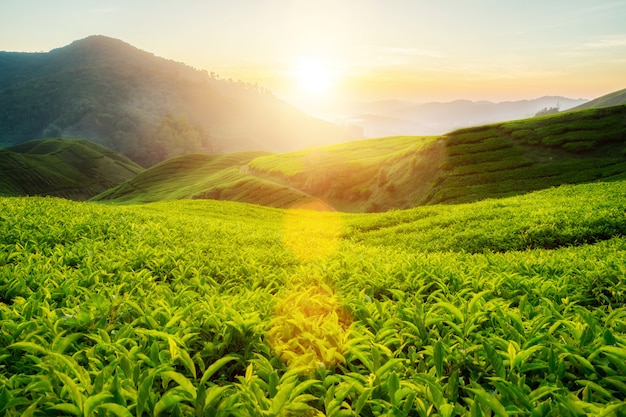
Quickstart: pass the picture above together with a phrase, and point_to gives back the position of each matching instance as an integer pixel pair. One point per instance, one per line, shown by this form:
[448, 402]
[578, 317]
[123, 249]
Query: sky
[316, 53]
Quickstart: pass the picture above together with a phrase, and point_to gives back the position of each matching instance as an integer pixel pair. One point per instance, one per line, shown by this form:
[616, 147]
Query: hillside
[490, 161]
[202, 176]
[466, 165]
[146, 107]
[211, 308]
[350, 176]
[325, 174]
[612, 99]
[75, 169]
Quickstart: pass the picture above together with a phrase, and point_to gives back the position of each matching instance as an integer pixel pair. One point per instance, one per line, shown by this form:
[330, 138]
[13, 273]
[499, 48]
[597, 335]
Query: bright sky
[314, 52]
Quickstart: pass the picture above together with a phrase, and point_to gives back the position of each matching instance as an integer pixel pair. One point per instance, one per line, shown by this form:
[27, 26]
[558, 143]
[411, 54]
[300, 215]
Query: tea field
[509, 307]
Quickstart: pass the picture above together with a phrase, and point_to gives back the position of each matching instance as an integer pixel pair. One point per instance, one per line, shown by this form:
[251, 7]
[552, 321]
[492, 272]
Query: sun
[314, 76]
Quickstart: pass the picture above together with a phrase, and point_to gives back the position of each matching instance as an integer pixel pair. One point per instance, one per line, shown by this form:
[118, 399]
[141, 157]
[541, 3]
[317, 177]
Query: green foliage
[547, 111]
[502, 307]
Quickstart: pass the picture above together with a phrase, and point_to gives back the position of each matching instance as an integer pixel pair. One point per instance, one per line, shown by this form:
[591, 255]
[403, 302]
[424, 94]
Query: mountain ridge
[147, 107]
[406, 117]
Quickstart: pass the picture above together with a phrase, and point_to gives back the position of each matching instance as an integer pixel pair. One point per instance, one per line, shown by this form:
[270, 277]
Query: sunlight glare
[314, 76]
[312, 235]
[309, 327]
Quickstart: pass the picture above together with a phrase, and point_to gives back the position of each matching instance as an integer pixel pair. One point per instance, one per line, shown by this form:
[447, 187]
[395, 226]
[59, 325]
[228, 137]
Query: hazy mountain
[612, 99]
[146, 107]
[403, 117]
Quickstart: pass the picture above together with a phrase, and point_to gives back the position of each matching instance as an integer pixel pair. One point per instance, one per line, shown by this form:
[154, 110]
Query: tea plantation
[509, 307]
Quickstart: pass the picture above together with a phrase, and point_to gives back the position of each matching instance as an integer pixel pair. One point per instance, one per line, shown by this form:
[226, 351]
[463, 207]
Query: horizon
[321, 55]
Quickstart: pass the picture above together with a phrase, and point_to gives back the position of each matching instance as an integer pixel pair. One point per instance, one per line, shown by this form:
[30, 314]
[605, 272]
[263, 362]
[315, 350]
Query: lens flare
[312, 235]
[315, 77]
[309, 327]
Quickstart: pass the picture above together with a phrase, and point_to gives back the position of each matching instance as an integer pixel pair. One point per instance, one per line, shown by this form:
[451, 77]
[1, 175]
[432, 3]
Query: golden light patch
[312, 235]
[309, 328]
[314, 76]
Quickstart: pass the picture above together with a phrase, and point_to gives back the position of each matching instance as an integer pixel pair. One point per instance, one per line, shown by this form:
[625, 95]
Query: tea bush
[503, 307]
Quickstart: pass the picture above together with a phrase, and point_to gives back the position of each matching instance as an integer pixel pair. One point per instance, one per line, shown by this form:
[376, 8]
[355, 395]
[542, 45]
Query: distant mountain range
[146, 107]
[403, 117]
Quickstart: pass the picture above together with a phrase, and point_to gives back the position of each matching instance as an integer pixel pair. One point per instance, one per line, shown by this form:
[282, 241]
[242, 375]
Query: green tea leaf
[492, 402]
[167, 403]
[216, 366]
[75, 393]
[182, 381]
[494, 359]
[542, 392]
[360, 403]
[28, 346]
[446, 410]
[393, 385]
[91, 403]
[452, 309]
[67, 408]
[116, 409]
[438, 358]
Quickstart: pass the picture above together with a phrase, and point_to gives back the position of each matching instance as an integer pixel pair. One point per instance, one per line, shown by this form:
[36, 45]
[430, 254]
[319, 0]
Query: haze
[317, 54]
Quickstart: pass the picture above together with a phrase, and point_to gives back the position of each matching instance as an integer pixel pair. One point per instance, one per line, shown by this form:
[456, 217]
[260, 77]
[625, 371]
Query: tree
[52, 131]
[547, 110]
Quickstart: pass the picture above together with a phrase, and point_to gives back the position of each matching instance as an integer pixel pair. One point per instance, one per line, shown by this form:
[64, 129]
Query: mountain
[146, 107]
[466, 165]
[75, 169]
[612, 99]
[404, 117]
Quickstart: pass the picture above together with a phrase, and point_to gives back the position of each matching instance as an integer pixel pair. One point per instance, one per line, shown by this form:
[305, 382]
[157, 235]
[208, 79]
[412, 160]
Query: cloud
[609, 42]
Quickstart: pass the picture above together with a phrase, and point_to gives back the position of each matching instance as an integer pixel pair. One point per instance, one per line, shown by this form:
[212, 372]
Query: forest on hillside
[146, 107]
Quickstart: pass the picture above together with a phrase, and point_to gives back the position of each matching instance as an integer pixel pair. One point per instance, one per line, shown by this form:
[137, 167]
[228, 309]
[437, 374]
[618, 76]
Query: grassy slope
[466, 165]
[204, 176]
[520, 156]
[76, 169]
[345, 175]
[510, 306]
[612, 99]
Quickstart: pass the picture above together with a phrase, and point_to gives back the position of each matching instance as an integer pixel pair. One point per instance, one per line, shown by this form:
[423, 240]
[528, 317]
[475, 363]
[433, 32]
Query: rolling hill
[615, 98]
[202, 176]
[146, 107]
[466, 165]
[75, 169]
